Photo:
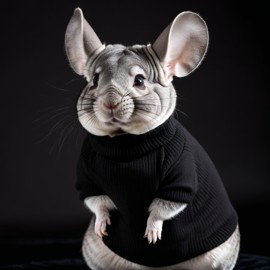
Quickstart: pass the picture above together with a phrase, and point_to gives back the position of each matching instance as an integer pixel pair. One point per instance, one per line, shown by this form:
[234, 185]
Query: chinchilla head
[130, 89]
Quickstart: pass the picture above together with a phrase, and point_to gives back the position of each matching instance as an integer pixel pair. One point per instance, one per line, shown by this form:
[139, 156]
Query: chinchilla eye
[95, 79]
[139, 81]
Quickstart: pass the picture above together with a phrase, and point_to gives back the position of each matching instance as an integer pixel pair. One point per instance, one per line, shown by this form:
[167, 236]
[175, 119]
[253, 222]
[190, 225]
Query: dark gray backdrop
[223, 103]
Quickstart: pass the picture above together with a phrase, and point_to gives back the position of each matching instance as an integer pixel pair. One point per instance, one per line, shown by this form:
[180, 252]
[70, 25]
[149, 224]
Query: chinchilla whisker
[145, 99]
[73, 80]
[89, 98]
[141, 112]
[59, 124]
[143, 116]
[84, 114]
[147, 111]
[177, 110]
[85, 111]
[150, 104]
[64, 121]
[58, 88]
[53, 114]
[66, 131]
[69, 94]
[86, 104]
[140, 104]
[92, 119]
[143, 103]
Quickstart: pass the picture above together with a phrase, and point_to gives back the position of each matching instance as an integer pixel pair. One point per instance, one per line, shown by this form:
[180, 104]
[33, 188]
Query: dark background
[223, 103]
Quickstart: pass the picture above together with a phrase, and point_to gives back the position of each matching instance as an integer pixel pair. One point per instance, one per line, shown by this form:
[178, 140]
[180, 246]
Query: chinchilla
[157, 199]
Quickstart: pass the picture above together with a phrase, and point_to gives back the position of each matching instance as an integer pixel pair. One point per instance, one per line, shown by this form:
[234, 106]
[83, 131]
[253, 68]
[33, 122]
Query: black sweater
[166, 163]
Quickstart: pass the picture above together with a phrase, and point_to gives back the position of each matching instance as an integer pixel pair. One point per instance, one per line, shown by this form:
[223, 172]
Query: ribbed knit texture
[166, 163]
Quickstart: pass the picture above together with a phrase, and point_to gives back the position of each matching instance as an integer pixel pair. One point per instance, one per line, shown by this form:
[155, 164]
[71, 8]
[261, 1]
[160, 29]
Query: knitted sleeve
[84, 183]
[180, 183]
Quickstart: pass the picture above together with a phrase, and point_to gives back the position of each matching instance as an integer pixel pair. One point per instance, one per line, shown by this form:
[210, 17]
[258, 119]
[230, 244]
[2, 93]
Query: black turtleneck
[166, 163]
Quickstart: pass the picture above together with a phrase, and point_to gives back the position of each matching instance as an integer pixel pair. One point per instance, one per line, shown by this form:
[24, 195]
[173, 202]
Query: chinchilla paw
[101, 223]
[153, 230]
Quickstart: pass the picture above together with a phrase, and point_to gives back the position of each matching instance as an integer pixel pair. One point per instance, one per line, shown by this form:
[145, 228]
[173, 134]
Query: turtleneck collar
[129, 145]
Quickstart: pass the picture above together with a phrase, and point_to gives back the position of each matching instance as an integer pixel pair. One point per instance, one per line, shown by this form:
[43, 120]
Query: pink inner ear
[169, 68]
[182, 45]
[174, 68]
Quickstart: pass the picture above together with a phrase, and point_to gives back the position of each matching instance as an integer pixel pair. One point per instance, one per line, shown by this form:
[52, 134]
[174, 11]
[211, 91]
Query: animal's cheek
[140, 92]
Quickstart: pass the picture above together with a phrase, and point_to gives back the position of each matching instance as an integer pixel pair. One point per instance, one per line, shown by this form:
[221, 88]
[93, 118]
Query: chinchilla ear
[81, 42]
[182, 45]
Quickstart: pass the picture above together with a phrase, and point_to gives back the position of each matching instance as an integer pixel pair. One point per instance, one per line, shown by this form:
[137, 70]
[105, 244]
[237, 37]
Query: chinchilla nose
[111, 100]
[111, 105]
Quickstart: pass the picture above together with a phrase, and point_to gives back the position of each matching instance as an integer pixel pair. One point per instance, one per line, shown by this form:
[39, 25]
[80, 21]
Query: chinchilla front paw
[102, 220]
[153, 229]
